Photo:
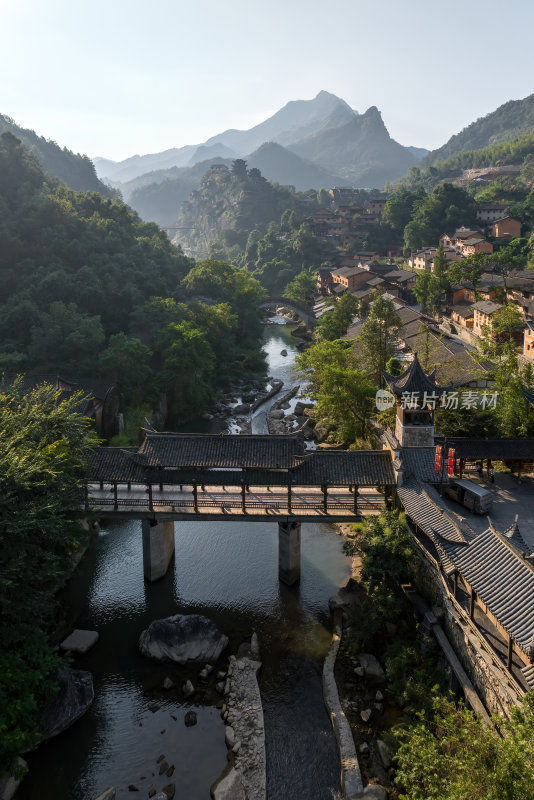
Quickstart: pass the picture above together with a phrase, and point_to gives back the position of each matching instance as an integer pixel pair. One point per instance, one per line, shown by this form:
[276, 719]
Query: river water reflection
[228, 571]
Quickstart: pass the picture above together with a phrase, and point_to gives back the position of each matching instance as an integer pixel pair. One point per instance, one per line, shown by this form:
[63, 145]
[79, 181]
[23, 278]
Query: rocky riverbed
[244, 778]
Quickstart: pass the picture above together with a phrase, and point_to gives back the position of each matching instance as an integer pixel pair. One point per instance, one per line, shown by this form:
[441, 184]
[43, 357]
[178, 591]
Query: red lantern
[450, 462]
[438, 458]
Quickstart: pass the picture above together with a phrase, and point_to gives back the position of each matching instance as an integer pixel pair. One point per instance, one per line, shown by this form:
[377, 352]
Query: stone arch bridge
[304, 312]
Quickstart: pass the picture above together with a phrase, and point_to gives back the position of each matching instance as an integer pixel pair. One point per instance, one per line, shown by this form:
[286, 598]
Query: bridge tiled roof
[347, 467]
[177, 458]
[116, 464]
[173, 450]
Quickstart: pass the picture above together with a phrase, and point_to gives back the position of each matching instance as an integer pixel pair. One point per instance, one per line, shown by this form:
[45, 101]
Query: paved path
[510, 498]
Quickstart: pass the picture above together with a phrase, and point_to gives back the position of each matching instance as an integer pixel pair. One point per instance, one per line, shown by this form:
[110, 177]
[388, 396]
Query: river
[229, 572]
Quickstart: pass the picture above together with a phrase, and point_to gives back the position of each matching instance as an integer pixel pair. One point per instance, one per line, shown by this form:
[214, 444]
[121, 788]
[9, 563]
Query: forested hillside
[510, 121]
[235, 201]
[75, 170]
[87, 288]
[518, 152]
[158, 196]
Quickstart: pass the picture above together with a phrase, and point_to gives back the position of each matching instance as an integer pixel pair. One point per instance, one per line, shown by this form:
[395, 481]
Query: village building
[505, 228]
[463, 314]
[376, 206]
[456, 294]
[320, 221]
[483, 313]
[487, 288]
[464, 238]
[349, 277]
[451, 256]
[528, 340]
[345, 197]
[423, 259]
[325, 280]
[473, 246]
[489, 212]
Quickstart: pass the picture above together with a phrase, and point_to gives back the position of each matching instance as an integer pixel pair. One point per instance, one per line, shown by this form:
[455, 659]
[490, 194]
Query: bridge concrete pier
[289, 552]
[158, 548]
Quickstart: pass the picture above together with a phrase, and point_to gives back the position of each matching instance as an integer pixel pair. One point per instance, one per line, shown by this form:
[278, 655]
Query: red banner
[438, 458]
[450, 462]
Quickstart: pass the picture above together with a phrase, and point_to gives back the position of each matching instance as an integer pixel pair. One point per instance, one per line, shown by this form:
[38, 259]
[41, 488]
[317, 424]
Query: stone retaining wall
[351, 777]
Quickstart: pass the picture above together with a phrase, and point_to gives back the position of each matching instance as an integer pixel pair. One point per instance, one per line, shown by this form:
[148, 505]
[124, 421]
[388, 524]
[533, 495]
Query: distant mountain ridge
[510, 121]
[294, 121]
[361, 150]
[313, 130]
[76, 170]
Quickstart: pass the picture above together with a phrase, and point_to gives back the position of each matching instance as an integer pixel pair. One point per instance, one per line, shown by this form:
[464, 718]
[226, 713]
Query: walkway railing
[314, 502]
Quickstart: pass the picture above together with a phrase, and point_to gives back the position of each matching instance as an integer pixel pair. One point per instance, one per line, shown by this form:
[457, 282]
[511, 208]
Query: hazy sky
[119, 77]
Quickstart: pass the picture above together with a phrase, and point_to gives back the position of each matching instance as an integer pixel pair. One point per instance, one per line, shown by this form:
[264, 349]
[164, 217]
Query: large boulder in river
[75, 695]
[183, 638]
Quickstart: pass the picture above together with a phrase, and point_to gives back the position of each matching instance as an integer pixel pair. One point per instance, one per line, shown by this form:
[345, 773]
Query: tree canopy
[44, 442]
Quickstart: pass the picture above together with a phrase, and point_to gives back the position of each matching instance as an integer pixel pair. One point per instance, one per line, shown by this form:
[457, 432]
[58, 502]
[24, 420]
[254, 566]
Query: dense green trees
[77, 274]
[77, 264]
[44, 442]
[302, 287]
[518, 151]
[447, 208]
[334, 323]
[430, 287]
[343, 393]
[451, 754]
[400, 208]
[75, 170]
[127, 362]
[376, 343]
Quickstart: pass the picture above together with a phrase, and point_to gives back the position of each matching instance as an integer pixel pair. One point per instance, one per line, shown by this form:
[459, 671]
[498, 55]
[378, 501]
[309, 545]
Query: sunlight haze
[115, 79]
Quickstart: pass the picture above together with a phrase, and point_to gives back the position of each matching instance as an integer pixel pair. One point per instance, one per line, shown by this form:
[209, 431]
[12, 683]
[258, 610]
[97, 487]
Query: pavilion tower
[416, 395]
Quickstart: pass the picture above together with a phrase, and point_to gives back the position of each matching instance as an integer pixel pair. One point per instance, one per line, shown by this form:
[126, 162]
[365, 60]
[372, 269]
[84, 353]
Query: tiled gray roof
[528, 674]
[488, 562]
[116, 464]
[504, 582]
[495, 449]
[513, 534]
[420, 462]
[425, 507]
[487, 306]
[222, 450]
[360, 467]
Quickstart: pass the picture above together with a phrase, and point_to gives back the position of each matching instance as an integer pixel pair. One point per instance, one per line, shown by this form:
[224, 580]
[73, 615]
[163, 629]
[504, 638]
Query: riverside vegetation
[44, 441]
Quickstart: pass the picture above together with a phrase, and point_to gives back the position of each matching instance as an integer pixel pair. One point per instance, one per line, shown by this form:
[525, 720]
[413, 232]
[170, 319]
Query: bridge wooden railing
[354, 505]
